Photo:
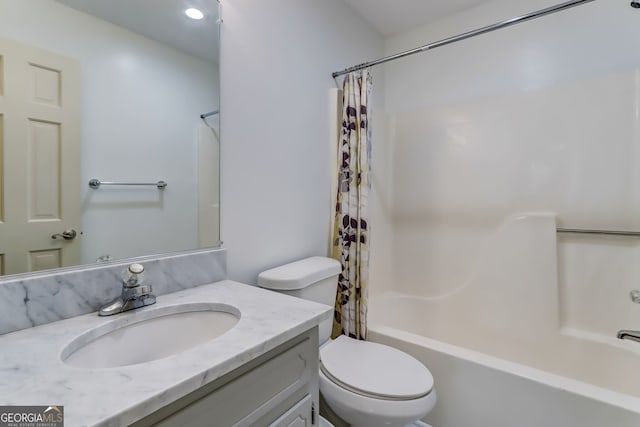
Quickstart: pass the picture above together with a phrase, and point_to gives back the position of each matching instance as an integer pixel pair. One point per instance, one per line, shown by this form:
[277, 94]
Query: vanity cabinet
[276, 389]
[301, 415]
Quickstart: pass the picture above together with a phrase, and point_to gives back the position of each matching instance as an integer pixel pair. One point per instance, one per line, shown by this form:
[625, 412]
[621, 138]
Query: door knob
[69, 234]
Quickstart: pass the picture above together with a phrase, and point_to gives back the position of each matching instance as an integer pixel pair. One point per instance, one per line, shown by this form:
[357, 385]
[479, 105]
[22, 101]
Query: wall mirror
[111, 90]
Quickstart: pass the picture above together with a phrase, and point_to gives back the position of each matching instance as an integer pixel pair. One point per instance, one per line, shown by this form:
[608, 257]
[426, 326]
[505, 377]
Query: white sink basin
[150, 334]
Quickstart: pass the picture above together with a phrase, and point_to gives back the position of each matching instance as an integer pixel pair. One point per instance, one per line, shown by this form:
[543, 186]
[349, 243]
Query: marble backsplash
[39, 298]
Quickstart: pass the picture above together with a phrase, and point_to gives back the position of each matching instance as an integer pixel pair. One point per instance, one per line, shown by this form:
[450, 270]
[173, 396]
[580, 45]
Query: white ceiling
[390, 17]
[161, 20]
[164, 20]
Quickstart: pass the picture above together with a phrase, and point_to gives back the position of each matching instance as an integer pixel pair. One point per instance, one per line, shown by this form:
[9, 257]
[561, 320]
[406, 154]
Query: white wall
[276, 64]
[541, 117]
[586, 41]
[141, 103]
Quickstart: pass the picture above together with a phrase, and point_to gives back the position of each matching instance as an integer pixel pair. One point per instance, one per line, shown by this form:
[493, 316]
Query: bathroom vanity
[279, 389]
[261, 371]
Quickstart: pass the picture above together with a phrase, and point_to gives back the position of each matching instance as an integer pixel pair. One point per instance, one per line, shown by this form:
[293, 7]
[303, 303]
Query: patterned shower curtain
[352, 228]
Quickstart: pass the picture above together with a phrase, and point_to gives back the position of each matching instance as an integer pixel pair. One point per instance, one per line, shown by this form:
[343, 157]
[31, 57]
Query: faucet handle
[135, 293]
[133, 276]
[635, 296]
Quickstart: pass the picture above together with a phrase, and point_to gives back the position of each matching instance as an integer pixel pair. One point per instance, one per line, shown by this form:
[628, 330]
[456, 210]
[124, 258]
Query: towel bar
[601, 232]
[96, 183]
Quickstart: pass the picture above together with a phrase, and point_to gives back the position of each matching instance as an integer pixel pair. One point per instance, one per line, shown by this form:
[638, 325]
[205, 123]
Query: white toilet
[366, 384]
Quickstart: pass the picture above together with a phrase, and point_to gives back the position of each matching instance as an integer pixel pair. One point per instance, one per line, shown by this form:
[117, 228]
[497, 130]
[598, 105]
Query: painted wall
[276, 64]
[141, 103]
[587, 41]
[541, 117]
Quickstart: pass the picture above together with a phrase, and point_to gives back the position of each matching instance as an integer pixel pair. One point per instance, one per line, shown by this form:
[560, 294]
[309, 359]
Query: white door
[39, 158]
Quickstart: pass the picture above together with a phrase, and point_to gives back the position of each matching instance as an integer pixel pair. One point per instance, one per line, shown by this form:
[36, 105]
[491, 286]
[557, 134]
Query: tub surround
[29, 300]
[511, 306]
[506, 323]
[32, 372]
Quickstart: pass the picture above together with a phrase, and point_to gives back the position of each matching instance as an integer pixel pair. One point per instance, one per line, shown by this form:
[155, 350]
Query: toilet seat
[374, 370]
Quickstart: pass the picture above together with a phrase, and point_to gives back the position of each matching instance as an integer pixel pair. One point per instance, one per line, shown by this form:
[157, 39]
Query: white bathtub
[487, 382]
[526, 336]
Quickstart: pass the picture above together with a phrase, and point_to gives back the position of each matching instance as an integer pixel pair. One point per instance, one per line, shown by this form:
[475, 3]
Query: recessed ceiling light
[194, 13]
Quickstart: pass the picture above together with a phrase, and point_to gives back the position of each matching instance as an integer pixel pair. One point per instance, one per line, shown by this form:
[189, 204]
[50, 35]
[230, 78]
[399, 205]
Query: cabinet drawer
[246, 399]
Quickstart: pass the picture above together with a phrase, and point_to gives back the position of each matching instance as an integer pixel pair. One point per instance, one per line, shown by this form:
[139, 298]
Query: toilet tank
[313, 279]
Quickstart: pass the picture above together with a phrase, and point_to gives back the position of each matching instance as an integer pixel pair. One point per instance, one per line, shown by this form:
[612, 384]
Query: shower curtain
[352, 228]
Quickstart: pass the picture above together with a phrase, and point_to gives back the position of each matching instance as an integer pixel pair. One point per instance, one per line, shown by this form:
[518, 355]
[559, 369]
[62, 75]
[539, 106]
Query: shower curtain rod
[212, 113]
[467, 35]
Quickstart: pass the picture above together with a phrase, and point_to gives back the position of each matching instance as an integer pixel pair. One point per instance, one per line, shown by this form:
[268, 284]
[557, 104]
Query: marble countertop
[32, 371]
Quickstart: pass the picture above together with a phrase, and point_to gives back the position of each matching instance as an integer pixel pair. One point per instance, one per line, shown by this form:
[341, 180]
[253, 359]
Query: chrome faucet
[629, 335]
[626, 334]
[134, 294]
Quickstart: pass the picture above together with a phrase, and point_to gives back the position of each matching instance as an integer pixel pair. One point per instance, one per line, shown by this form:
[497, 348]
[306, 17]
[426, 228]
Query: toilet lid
[375, 369]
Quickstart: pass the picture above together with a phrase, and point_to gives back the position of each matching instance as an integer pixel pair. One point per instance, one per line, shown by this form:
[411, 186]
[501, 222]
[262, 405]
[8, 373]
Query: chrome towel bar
[96, 183]
[601, 232]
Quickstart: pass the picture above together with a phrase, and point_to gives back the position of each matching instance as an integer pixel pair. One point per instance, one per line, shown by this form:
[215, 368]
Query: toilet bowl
[366, 384]
[370, 384]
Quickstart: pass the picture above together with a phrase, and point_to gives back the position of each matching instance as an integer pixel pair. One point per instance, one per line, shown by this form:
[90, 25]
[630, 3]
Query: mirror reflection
[111, 90]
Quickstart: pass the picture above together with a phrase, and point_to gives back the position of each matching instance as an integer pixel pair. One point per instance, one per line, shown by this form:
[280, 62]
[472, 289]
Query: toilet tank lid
[299, 274]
